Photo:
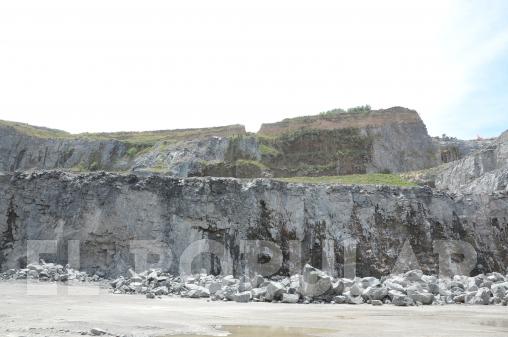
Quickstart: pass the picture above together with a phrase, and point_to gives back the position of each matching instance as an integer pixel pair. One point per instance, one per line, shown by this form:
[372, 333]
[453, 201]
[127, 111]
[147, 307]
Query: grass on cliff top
[354, 179]
[36, 131]
[142, 138]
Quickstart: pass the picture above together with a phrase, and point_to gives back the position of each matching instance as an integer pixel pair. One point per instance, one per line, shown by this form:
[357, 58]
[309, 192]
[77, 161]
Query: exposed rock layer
[390, 140]
[106, 211]
[483, 170]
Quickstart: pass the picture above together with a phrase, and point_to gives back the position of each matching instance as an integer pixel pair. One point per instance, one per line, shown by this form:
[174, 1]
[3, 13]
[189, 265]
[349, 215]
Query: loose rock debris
[312, 286]
[315, 286]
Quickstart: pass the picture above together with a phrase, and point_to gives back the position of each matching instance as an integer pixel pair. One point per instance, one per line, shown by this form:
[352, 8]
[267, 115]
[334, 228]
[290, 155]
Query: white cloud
[130, 65]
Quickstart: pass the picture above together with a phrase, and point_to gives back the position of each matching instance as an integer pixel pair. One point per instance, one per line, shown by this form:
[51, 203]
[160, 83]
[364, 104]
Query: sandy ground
[43, 310]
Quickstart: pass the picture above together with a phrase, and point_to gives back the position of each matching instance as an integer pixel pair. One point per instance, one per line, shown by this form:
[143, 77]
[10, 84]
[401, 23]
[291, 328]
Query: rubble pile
[312, 286]
[50, 272]
[315, 286]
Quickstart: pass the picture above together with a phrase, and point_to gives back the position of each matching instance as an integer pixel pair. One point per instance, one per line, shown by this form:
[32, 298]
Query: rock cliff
[483, 170]
[107, 211]
[390, 140]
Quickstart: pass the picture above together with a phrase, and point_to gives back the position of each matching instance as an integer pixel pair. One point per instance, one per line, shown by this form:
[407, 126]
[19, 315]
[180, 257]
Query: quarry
[324, 220]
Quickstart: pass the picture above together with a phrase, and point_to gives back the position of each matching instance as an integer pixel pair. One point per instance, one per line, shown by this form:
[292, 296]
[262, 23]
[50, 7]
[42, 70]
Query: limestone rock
[482, 296]
[274, 291]
[242, 297]
[290, 298]
[314, 282]
[375, 293]
[419, 295]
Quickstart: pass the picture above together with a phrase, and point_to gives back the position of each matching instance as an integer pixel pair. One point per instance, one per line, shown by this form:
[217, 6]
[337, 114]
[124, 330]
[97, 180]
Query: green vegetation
[131, 152]
[267, 150]
[146, 138]
[79, 168]
[329, 114]
[332, 113]
[360, 109]
[250, 163]
[94, 166]
[149, 138]
[134, 150]
[159, 168]
[248, 168]
[354, 179]
[36, 131]
[338, 111]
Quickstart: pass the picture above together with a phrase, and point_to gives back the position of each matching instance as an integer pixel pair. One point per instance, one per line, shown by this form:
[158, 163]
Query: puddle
[497, 323]
[264, 331]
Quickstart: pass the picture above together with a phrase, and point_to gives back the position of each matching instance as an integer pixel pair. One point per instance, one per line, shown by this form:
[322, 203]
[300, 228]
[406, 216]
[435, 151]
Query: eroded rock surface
[107, 212]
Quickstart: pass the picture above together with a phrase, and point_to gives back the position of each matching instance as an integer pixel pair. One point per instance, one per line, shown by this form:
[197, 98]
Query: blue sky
[482, 106]
[118, 65]
[483, 111]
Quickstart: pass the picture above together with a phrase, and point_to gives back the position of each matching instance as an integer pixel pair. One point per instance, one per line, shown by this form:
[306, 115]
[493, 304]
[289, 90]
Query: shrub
[332, 113]
[359, 109]
[132, 151]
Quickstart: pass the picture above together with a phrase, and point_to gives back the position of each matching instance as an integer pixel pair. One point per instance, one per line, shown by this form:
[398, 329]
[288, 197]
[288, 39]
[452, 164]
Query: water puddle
[264, 331]
[496, 323]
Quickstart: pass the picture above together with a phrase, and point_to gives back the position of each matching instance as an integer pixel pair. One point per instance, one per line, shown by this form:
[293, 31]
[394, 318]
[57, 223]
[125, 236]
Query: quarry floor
[47, 310]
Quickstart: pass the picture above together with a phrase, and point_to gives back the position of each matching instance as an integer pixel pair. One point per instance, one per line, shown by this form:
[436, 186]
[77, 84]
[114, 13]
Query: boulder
[161, 291]
[242, 297]
[355, 290]
[353, 299]
[197, 291]
[244, 286]
[481, 297]
[495, 277]
[499, 289]
[257, 281]
[418, 295]
[413, 275]
[338, 287]
[402, 300]
[97, 332]
[258, 292]
[394, 286]
[229, 292]
[340, 299]
[460, 298]
[274, 291]
[290, 298]
[375, 293]
[314, 282]
[367, 282]
[214, 287]
[294, 284]
[229, 280]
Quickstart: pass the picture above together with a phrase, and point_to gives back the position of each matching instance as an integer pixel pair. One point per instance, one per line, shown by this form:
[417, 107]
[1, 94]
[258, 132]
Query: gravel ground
[40, 309]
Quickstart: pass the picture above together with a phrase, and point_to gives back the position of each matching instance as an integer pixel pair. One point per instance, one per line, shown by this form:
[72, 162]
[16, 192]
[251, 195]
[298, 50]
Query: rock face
[481, 171]
[106, 211]
[452, 149]
[177, 152]
[484, 171]
[391, 140]
[20, 151]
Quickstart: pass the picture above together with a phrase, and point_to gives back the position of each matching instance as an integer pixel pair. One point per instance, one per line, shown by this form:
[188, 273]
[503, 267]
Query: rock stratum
[368, 141]
[161, 189]
[107, 211]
